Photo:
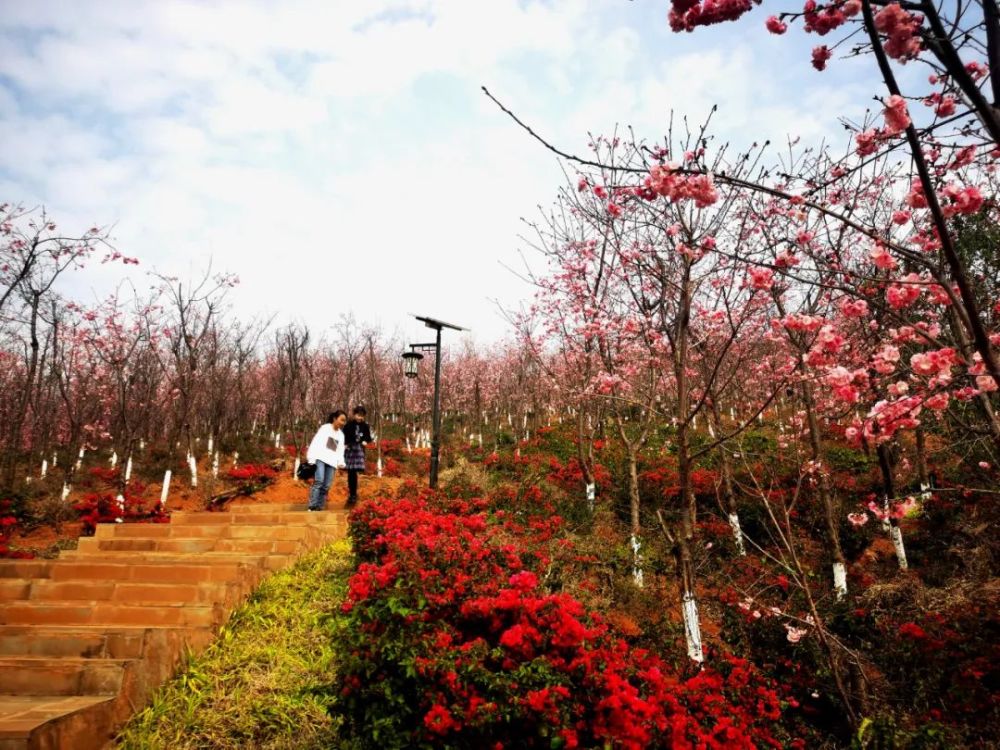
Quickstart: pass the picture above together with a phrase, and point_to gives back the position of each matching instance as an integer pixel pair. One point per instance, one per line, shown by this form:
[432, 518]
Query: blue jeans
[321, 485]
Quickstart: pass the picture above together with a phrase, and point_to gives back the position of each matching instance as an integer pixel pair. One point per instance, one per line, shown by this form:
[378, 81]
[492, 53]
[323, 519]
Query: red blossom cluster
[454, 640]
[686, 15]
[106, 507]
[7, 525]
[255, 473]
[569, 476]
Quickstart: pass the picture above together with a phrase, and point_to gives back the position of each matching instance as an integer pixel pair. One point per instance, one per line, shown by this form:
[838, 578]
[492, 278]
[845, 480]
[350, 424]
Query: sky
[340, 157]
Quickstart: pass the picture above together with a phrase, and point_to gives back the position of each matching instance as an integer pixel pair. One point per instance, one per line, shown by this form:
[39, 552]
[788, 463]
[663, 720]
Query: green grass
[254, 687]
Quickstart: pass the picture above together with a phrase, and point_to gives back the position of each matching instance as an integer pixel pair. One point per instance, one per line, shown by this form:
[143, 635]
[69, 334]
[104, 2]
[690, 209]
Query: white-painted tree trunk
[236, 459]
[591, 495]
[55, 460]
[65, 492]
[896, 535]
[45, 468]
[79, 458]
[128, 470]
[692, 630]
[637, 576]
[166, 488]
[120, 500]
[211, 443]
[378, 467]
[215, 465]
[295, 469]
[840, 580]
[193, 465]
[734, 524]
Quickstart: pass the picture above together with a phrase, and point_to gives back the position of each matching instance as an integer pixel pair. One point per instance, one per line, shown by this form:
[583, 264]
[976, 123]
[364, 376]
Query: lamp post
[411, 361]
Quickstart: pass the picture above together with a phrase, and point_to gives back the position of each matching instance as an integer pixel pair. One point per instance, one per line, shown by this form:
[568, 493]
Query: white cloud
[339, 156]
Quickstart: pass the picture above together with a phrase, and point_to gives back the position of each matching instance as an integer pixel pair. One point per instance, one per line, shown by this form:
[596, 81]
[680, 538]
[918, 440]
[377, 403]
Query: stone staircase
[85, 639]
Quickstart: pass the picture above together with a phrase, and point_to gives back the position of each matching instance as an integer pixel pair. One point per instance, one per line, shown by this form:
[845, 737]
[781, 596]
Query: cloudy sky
[339, 156]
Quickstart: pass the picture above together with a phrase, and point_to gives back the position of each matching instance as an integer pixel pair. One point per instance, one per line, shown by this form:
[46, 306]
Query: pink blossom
[820, 56]
[922, 364]
[937, 402]
[897, 118]
[901, 29]
[986, 383]
[916, 198]
[794, 634]
[866, 142]
[776, 26]
[839, 376]
[963, 200]
[882, 258]
[899, 388]
[761, 278]
[858, 519]
[946, 107]
[854, 308]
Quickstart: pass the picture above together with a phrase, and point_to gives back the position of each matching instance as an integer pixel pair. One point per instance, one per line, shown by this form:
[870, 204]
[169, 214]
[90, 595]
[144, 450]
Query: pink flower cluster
[667, 181]
[902, 30]
[686, 15]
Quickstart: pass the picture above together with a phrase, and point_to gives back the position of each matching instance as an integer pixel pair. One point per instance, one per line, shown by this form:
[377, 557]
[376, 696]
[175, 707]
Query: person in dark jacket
[356, 437]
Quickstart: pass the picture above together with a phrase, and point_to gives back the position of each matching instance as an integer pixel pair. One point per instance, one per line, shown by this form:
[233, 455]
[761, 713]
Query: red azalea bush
[453, 641]
[391, 467]
[104, 507]
[256, 473]
[391, 448]
[251, 478]
[569, 476]
[8, 523]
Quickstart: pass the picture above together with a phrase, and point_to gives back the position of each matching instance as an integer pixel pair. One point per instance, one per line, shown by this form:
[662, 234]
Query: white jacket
[327, 446]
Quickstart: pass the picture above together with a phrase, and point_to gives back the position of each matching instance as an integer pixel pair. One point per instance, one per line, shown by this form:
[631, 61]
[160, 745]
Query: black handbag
[306, 472]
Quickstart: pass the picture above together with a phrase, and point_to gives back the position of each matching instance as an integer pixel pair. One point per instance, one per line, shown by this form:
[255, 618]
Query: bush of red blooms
[452, 640]
[258, 473]
[105, 507]
[8, 523]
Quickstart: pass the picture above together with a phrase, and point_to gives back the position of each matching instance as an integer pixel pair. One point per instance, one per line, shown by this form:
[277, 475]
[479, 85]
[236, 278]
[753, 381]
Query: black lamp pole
[436, 419]
[411, 371]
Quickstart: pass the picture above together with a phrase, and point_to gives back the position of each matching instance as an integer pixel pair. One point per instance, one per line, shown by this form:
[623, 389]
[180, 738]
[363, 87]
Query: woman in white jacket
[326, 451]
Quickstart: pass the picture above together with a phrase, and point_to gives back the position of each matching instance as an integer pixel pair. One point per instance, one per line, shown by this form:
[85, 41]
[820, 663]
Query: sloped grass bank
[254, 686]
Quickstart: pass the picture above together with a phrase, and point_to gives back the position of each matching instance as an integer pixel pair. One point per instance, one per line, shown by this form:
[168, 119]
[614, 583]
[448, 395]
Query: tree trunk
[830, 506]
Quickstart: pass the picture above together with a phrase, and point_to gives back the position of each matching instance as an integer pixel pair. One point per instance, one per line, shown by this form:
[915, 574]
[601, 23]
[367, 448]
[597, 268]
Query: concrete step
[269, 508]
[43, 675]
[190, 546]
[24, 568]
[227, 593]
[266, 562]
[54, 722]
[202, 531]
[99, 641]
[269, 518]
[110, 613]
[155, 571]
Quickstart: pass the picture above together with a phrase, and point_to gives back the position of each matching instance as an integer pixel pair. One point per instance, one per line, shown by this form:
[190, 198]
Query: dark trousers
[352, 482]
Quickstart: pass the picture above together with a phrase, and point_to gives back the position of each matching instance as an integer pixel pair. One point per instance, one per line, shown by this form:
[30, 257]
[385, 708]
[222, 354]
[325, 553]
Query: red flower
[440, 721]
